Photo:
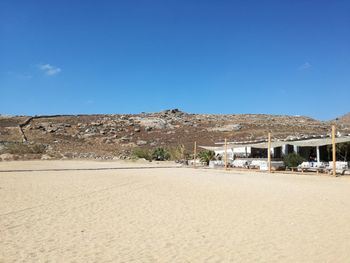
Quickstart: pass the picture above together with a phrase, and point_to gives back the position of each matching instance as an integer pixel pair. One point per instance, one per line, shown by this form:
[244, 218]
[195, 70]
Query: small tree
[160, 154]
[292, 160]
[343, 150]
[206, 156]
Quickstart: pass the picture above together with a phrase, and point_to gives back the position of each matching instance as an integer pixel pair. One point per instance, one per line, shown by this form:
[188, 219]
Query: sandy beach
[48, 214]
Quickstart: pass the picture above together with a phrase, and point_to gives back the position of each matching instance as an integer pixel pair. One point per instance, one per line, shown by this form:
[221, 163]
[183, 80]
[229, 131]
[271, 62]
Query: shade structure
[319, 142]
[211, 148]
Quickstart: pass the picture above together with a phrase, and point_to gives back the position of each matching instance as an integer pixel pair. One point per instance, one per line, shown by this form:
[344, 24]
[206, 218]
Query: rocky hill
[345, 119]
[114, 136]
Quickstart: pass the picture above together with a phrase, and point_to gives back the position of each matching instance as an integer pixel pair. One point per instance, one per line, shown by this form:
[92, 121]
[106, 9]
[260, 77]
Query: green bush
[142, 153]
[292, 160]
[206, 156]
[160, 154]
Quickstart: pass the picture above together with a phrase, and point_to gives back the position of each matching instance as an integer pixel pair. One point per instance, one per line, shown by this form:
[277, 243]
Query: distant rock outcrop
[345, 119]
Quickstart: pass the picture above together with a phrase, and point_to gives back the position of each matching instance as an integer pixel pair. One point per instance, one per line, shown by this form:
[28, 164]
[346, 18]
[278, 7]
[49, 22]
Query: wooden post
[269, 151]
[194, 154]
[225, 154]
[334, 151]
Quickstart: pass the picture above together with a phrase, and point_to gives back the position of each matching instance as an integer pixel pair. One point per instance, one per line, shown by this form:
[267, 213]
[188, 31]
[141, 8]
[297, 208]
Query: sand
[169, 215]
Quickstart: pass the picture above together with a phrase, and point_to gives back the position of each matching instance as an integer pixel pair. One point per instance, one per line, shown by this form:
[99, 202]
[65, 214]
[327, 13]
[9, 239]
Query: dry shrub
[139, 153]
[22, 148]
[178, 153]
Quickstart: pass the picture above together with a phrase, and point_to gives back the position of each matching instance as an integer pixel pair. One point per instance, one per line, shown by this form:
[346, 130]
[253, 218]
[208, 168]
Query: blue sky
[277, 57]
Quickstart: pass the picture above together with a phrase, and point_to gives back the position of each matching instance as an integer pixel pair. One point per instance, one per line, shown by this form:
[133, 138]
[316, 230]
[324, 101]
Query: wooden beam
[334, 152]
[225, 154]
[269, 151]
[194, 154]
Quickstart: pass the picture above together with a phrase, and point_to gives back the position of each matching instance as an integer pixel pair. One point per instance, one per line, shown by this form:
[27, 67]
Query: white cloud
[89, 101]
[49, 69]
[306, 65]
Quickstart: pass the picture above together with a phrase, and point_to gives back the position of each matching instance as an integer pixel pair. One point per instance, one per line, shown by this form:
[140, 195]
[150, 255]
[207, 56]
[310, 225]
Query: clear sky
[72, 57]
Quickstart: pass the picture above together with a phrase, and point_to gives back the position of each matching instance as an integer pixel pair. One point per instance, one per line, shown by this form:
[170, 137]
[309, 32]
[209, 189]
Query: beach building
[255, 154]
[314, 147]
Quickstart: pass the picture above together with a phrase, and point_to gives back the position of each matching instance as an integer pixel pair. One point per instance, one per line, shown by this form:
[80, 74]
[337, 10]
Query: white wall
[240, 151]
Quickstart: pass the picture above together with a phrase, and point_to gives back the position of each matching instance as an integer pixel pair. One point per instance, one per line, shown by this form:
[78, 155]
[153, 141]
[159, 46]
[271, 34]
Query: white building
[306, 148]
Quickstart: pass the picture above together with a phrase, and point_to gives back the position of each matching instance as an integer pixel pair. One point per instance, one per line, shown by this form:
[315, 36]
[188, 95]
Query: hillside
[109, 136]
[345, 119]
